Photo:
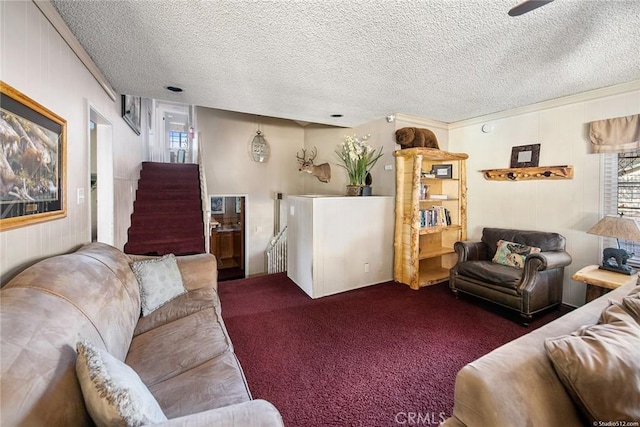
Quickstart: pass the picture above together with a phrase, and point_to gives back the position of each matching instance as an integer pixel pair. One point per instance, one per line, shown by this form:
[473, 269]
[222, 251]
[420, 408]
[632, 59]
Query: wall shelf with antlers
[524, 174]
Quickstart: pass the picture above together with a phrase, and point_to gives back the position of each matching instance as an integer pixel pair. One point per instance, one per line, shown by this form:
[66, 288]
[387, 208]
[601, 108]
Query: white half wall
[569, 207]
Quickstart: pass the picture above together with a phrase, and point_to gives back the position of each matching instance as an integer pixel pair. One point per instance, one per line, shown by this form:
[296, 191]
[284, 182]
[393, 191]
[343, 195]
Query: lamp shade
[618, 227]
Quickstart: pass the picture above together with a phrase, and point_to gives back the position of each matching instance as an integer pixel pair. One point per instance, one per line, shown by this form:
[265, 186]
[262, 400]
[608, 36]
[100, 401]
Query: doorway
[228, 235]
[101, 177]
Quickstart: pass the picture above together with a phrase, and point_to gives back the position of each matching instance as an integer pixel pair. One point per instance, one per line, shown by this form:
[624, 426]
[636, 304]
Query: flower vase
[353, 190]
[366, 190]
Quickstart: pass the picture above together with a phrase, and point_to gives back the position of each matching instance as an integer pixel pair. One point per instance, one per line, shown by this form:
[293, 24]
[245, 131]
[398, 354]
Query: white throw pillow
[160, 282]
[113, 393]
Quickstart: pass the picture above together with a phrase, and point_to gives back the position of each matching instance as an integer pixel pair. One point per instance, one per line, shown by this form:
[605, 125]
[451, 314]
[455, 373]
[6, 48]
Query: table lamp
[619, 227]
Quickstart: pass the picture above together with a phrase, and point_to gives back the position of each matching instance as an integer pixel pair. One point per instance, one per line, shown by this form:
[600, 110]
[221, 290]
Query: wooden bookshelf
[424, 254]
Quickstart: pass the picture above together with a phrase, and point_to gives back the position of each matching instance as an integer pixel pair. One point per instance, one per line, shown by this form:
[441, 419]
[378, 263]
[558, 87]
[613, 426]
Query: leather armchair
[536, 287]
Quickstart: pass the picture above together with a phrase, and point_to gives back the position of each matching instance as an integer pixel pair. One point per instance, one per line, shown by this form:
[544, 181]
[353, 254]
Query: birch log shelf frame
[525, 174]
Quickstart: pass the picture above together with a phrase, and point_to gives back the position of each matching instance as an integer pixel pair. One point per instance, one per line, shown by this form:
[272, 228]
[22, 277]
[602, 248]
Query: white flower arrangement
[358, 157]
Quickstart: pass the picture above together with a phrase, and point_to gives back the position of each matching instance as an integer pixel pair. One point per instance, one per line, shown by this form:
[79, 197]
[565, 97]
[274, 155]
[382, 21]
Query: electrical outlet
[388, 167]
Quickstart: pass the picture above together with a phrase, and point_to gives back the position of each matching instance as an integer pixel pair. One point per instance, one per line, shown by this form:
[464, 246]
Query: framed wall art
[32, 161]
[525, 156]
[131, 112]
[217, 205]
[444, 171]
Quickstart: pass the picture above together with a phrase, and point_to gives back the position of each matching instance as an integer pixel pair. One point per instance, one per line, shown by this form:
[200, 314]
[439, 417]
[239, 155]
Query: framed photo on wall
[34, 143]
[525, 156]
[444, 171]
[131, 112]
[217, 205]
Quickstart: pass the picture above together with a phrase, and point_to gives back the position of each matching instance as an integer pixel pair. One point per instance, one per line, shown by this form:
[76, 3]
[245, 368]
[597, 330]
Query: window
[178, 140]
[622, 194]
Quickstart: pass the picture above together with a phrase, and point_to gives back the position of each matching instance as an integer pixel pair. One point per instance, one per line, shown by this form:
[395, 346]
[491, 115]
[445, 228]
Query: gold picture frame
[33, 173]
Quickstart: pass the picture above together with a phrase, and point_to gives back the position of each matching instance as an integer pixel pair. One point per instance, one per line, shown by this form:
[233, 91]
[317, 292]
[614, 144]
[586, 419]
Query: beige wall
[36, 61]
[224, 140]
[569, 207]
[382, 134]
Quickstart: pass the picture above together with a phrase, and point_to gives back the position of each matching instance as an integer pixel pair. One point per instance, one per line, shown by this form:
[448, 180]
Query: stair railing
[204, 197]
[276, 253]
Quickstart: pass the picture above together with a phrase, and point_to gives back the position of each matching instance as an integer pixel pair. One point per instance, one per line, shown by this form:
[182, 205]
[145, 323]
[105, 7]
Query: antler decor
[322, 172]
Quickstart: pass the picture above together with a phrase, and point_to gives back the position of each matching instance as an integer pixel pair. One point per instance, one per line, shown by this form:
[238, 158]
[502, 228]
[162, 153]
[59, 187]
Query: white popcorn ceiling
[446, 60]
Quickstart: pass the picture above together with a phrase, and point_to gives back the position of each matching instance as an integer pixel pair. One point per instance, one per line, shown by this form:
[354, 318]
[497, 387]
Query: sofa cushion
[599, 367]
[176, 347]
[160, 282]
[513, 254]
[112, 391]
[490, 272]
[217, 383]
[182, 306]
[186, 358]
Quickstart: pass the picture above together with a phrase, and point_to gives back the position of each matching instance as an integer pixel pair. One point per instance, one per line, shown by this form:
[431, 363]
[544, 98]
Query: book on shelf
[439, 196]
[434, 217]
[424, 191]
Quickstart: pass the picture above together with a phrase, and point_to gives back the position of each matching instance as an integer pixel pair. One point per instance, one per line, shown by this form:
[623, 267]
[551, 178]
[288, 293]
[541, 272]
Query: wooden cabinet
[226, 245]
[430, 214]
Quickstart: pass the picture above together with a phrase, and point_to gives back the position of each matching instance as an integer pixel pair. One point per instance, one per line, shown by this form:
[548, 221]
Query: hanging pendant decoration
[259, 148]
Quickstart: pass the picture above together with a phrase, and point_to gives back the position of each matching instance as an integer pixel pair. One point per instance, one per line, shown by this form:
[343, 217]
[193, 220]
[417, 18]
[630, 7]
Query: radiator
[276, 253]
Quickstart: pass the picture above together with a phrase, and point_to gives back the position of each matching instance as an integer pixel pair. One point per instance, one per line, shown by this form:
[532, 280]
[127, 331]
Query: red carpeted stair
[167, 213]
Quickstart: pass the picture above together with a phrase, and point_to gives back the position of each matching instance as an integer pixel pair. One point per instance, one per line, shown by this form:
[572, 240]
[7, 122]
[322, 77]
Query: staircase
[167, 213]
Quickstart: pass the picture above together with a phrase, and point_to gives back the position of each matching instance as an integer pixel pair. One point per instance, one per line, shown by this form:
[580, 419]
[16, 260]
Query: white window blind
[621, 184]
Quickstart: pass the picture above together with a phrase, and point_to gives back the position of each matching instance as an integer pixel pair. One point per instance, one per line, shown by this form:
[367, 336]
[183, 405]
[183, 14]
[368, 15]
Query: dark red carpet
[369, 357]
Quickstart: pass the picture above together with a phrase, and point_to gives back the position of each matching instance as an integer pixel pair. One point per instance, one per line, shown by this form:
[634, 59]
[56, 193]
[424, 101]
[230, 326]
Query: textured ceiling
[305, 60]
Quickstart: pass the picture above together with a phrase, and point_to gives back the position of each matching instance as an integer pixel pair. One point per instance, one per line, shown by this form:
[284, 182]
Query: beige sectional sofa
[181, 351]
[518, 384]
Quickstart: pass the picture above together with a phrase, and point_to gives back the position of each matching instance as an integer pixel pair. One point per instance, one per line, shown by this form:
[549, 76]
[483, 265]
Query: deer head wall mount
[322, 172]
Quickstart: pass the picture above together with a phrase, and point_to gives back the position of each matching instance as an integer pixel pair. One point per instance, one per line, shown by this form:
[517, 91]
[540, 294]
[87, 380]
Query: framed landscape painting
[32, 161]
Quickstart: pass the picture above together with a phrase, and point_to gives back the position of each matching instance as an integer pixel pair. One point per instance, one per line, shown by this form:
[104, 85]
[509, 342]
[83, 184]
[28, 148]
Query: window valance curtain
[618, 135]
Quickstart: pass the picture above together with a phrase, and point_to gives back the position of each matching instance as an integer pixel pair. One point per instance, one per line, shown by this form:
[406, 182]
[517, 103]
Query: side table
[599, 282]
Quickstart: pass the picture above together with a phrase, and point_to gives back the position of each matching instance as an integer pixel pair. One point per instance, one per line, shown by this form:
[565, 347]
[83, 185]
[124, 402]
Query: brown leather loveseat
[534, 287]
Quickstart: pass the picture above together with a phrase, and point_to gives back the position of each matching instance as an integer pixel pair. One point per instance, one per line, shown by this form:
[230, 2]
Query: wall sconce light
[259, 148]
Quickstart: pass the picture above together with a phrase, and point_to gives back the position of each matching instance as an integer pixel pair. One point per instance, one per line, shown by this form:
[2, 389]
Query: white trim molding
[420, 121]
[50, 12]
[552, 103]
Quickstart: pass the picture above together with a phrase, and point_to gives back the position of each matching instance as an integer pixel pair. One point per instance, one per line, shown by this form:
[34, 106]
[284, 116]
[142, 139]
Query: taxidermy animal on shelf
[416, 137]
[322, 172]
